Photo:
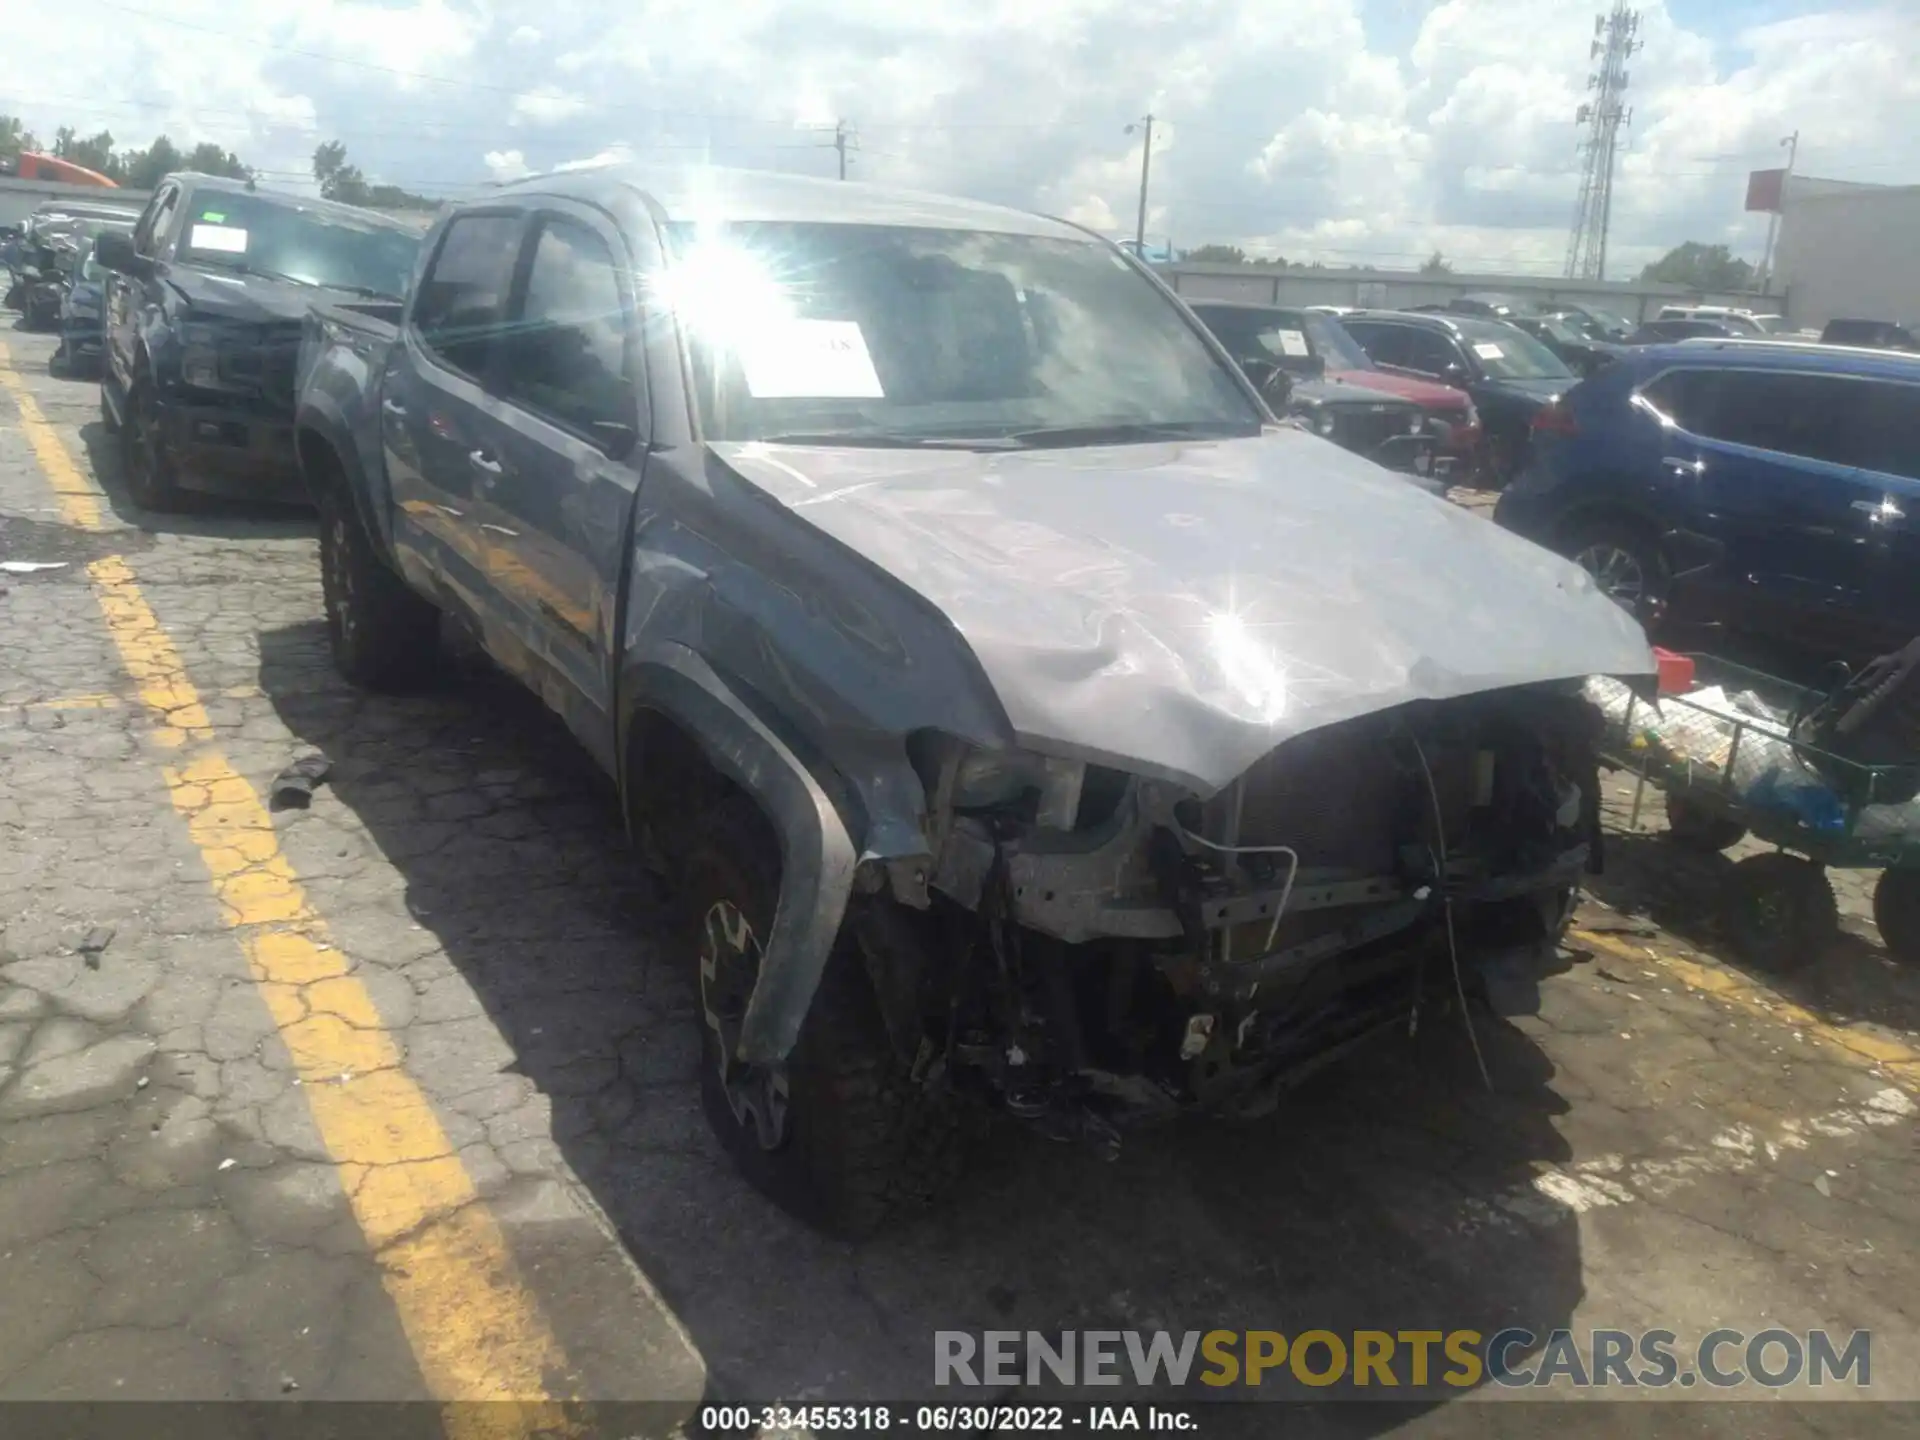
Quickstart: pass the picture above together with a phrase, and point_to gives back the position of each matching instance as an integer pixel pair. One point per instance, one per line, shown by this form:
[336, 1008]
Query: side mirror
[1278, 391]
[115, 251]
[1316, 367]
[1455, 373]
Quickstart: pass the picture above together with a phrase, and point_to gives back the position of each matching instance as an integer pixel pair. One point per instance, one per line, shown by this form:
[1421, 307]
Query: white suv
[1745, 321]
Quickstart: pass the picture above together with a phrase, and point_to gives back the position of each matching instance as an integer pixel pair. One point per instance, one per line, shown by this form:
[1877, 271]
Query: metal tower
[1613, 41]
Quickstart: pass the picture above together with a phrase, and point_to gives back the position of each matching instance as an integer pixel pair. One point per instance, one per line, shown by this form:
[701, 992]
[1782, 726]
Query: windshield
[887, 334]
[283, 238]
[1560, 328]
[1327, 339]
[1507, 352]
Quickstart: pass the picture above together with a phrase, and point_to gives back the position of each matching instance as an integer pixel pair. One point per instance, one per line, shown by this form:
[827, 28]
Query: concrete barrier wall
[20, 198]
[1401, 289]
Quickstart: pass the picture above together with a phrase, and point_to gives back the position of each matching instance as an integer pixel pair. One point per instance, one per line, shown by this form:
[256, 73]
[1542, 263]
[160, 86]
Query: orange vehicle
[32, 166]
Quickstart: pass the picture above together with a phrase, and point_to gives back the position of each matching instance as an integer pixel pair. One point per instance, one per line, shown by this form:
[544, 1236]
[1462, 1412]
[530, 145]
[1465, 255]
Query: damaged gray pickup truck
[1020, 714]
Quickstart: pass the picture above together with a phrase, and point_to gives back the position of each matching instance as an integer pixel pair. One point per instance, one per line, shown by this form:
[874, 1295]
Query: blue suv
[1767, 487]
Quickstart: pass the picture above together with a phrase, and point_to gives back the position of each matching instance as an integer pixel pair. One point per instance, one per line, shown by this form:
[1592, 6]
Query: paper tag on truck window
[809, 359]
[1292, 342]
[1488, 352]
[229, 239]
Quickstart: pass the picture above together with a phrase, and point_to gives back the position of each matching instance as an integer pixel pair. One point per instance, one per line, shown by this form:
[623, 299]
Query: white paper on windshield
[809, 359]
[230, 239]
[1292, 342]
[1488, 351]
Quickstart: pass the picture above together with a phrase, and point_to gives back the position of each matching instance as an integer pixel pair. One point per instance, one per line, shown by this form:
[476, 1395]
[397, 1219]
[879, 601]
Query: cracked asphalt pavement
[393, 1097]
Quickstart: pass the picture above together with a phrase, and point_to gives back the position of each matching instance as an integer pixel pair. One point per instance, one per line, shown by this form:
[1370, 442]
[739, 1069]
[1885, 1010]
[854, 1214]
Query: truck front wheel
[383, 635]
[838, 1134]
[146, 459]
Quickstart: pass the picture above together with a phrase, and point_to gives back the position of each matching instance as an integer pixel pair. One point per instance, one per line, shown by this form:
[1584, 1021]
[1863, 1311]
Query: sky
[1346, 131]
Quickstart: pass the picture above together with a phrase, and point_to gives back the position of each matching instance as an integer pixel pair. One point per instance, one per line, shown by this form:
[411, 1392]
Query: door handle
[394, 408]
[483, 460]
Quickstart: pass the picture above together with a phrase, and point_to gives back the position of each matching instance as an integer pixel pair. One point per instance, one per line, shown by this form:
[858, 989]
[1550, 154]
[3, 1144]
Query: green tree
[339, 180]
[1436, 264]
[144, 169]
[1700, 267]
[207, 158]
[1217, 255]
[15, 137]
[93, 151]
[343, 182]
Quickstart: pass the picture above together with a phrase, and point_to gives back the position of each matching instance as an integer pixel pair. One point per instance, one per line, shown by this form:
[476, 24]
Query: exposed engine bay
[1103, 947]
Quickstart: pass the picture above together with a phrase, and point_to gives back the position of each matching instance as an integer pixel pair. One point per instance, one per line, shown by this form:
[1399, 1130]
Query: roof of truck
[226, 185]
[706, 192]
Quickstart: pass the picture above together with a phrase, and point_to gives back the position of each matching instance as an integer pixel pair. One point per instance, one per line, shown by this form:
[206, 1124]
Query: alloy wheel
[1618, 573]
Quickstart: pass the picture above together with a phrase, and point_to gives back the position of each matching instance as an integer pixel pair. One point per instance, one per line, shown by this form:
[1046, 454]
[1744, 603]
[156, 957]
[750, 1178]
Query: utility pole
[1146, 169]
[844, 140]
[1792, 142]
[1613, 42]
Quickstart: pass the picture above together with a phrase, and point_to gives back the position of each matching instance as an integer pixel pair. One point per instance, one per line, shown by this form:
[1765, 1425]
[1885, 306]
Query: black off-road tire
[1780, 911]
[861, 1142]
[1896, 910]
[145, 461]
[1506, 457]
[1697, 827]
[383, 636]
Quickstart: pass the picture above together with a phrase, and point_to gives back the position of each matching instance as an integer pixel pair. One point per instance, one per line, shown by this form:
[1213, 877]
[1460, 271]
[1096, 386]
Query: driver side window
[1429, 353]
[151, 233]
[1384, 344]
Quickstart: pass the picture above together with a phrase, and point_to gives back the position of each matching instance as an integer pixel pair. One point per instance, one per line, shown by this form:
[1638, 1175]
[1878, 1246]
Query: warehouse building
[1848, 251]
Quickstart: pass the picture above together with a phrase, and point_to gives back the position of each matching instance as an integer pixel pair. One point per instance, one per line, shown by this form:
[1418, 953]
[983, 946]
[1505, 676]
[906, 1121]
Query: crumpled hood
[1181, 609]
[247, 299]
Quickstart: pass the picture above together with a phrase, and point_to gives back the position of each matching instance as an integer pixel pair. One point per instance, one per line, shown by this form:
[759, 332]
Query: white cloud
[1314, 130]
[612, 155]
[506, 165]
[546, 106]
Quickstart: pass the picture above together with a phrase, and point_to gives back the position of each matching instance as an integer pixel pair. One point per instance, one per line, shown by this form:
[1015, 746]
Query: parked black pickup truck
[1023, 716]
[203, 315]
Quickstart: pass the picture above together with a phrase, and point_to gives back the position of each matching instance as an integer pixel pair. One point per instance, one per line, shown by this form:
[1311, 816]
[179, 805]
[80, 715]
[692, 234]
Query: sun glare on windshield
[724, 292]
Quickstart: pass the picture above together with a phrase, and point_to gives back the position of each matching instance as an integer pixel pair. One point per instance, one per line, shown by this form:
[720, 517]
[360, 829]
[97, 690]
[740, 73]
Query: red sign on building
[1764, 190]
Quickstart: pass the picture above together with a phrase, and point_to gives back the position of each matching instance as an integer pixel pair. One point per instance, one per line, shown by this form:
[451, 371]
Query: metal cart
[1779, 908]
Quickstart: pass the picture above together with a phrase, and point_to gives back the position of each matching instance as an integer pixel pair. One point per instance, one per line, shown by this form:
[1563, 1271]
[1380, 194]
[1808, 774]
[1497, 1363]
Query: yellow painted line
[477, 1332]
[1861, 1047]
[114, 702]
[79, 500]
